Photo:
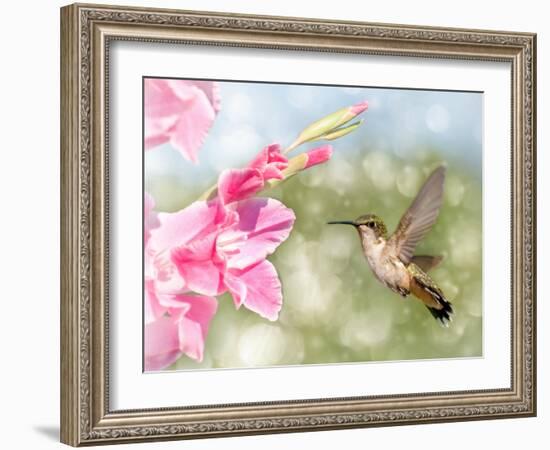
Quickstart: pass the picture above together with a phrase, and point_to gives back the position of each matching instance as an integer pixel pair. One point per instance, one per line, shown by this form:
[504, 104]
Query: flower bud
[304, 161]
[318, 156]
[342, 131]
[330, 124]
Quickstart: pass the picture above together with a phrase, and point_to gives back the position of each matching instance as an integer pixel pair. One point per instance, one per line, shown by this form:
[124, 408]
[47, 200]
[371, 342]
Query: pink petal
[173, 303]
[258, 288]
[211, 90]
[161, 343]
[182, 251]
[198, 264]
[161, 111]
[270, 162]
[160, 101]
[359, 107]
[260, 162]
[193, 326]
[167, 278]
[238, 184]
[318, 155]
[236, 287]
[154, 140]
[181, 227]
[270, 154]
[148, 203]
[225, 217]
[272, 172]
[180, 112]
[150, 217]
[275, 156]
[184, 90]
[199, 249]
[202, 277]
[263, 223]
[189, 131]
[182, 330]
[152, 309]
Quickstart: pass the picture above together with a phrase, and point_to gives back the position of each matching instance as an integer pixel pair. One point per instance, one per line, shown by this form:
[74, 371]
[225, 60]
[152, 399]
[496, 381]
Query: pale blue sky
[400, 121]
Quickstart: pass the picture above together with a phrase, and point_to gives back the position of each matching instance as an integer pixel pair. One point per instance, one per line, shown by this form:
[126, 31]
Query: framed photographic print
[276, 224]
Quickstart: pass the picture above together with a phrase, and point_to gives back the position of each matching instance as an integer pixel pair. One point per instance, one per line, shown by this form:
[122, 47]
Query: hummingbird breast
[387, 267]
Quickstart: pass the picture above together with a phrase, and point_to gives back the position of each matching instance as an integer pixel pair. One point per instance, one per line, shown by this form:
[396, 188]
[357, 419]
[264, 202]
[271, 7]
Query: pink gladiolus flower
[270, 162]
[182, 330]
[258, 288]
[359, 108]
[191, 231]
[208, 249]
[180, 112]
[150, 219]
[252, 280]
[231, 256]
[176, 322]
[202, 250]
[161, 344]
[318, 156]
[240, 184]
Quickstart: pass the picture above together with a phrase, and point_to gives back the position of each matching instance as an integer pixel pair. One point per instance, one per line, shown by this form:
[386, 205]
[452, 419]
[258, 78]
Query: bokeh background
[334, 311]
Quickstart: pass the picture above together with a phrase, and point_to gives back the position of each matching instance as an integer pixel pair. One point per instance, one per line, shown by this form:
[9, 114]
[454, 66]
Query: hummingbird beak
[342, 222]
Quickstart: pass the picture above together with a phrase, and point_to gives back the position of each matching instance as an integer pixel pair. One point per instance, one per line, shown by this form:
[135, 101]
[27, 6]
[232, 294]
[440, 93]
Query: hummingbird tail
[423, 287]
[444, 315]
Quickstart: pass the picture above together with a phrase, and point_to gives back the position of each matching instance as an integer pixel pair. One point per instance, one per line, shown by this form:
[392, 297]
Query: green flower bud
[339, 132]
[329, 124]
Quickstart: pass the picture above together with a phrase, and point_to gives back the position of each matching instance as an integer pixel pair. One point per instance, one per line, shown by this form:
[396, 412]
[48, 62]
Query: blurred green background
[333, 308]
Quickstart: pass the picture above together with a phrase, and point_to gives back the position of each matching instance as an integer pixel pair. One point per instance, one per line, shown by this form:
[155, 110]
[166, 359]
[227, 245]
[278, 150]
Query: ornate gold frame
[86, 31]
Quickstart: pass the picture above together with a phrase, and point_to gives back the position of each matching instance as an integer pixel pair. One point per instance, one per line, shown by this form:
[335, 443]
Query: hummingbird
[392, 259]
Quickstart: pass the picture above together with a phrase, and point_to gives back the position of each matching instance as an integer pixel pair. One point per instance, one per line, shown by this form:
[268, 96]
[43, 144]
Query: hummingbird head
[369, 225]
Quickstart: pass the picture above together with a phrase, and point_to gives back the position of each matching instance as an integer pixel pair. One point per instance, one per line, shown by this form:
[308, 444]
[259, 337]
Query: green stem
[292, 146]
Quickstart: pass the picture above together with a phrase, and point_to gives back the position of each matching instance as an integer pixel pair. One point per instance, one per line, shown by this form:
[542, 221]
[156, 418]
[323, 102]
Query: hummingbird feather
[420, 216]
[425, 289]
[425, 262]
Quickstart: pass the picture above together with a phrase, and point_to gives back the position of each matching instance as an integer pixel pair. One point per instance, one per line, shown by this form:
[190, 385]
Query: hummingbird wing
[420, 216]
[425, 262]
